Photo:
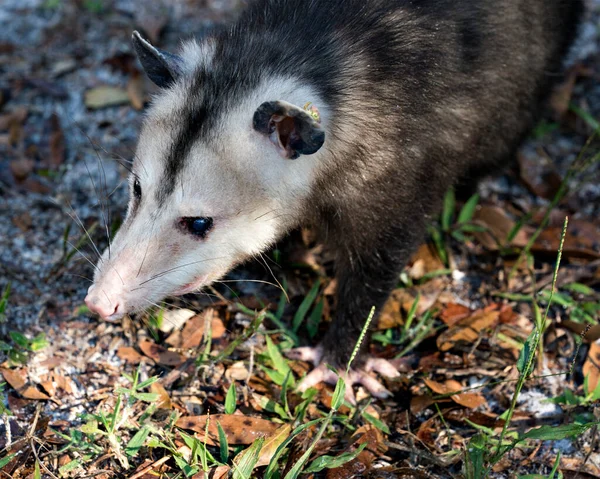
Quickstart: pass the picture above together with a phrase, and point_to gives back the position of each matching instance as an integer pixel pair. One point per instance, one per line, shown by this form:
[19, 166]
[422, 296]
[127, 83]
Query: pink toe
[319, 375]
[308, 354]
[373, 386]
[383, 367]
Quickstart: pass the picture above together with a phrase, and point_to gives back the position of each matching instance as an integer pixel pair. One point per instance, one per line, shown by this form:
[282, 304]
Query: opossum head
[220, 173]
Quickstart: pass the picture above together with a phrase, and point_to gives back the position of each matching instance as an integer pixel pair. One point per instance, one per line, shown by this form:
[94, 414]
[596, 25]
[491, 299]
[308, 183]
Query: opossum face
[205, 196]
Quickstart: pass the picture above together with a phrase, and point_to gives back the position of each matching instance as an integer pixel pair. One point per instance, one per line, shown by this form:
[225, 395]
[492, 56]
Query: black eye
[137, 189]
[198, 226]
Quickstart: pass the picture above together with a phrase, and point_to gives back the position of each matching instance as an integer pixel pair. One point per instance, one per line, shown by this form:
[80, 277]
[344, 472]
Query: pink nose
[101, 304]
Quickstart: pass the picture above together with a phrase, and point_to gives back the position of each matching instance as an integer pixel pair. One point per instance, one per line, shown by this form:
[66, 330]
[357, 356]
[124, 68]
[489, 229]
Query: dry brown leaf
[470, 400]
[591, 334]
[164, 400]
[63, 382]
[18, 381]
[160, 354]
[468, 329]
[5, 121]
[591, 367]
[391, 313]
[401, 300]
[35, 186]
[454, 313]
[129, 354]
[582, 240]
[579, 468]
[539, 174]
[420, 403]
[238, 428]
[424, 261]
[175, 319]
[272, 443]
[23, 221]
[219, 472]
[49, 387]
[376, 447]
[507, 315]
[498, 225]
[57, 143]
[436, 387]
[13, 122]
[105, 96]
[193, 330]
[217, 328]
[21, 168]
[561, 95]
[237, 371]
[136, 90]
[482, 418]
[353, 468]
[175, 339]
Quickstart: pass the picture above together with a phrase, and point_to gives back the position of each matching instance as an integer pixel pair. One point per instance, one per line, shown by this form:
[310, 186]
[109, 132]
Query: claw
[322, 374]
[382, 366]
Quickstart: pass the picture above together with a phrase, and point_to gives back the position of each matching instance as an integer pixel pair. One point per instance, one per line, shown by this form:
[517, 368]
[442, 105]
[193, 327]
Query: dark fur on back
[438, 89]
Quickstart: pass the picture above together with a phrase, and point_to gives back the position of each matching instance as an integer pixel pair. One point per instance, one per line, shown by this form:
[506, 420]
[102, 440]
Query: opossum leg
[364, 281]
[361, 376]
[367, 266]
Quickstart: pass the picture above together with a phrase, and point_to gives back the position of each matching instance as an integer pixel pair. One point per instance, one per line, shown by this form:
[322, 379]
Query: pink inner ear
[282, 128]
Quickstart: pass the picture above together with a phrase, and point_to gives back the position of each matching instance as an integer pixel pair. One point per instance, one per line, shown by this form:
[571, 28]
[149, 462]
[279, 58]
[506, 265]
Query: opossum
[352, 116]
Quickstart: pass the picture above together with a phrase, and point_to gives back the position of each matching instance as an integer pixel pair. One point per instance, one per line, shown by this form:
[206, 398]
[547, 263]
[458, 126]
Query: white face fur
[239, 181]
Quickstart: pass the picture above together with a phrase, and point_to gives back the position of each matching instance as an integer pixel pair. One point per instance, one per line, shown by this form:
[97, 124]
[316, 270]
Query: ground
[203, 384]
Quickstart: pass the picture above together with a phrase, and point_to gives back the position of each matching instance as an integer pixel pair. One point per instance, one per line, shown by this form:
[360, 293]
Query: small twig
[35, 420]
[589, 453]
[150, 467]
[7, 432]
[31, 444]
[250, 372]
[98, 472]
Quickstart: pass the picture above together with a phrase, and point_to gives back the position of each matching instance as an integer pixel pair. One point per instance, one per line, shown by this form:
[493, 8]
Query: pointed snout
[101, 303]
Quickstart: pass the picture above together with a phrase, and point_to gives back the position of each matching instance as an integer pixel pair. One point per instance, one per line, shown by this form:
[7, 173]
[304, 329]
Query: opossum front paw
[361, 375]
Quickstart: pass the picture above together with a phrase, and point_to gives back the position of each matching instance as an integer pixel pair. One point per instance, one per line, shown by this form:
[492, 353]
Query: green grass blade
[474, 457]
[271, 468]
[555, 468]
[5, 460]
[448, 211]
[305, 306]
[331, 462]
[223, 444]
[468, 210]
[296, 469]
[585, 116]
[379, 424]
[4, 302]
[555, 433]
[137, 441]
[279, 362]
[527, 353]
[312, 323]
[230, 399]
[244, 462]
[338, 394]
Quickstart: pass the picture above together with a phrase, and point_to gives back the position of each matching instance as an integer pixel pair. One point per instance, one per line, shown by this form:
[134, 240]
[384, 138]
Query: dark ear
[292, 130]
[162, 68]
